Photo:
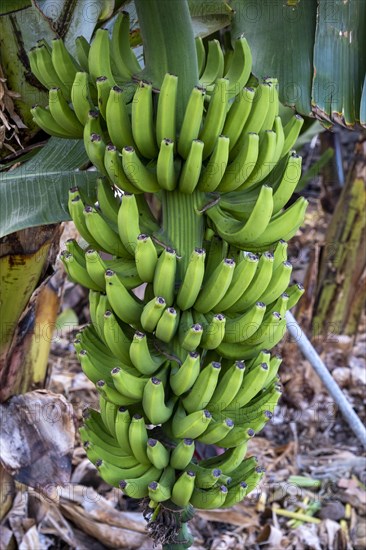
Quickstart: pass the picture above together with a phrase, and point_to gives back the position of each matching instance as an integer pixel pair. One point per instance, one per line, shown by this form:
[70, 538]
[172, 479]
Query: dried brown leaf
[37, 438]
[111, 536]
[270, 535]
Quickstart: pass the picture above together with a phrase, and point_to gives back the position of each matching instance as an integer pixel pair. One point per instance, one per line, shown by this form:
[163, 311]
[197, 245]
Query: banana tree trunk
[25, 339]
[341, 285]
[28, 312]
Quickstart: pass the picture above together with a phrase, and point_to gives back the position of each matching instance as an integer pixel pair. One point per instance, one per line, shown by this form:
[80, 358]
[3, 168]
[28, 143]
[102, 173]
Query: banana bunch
[189, 361]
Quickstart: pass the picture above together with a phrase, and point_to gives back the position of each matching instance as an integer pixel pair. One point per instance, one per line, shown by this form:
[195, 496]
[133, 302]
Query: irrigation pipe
[321, 370]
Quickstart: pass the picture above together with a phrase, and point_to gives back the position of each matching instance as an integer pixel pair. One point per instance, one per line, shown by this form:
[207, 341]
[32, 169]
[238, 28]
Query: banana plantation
[183, 186]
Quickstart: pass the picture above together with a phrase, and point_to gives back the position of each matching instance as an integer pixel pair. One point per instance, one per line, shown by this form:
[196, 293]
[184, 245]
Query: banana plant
[183, 362]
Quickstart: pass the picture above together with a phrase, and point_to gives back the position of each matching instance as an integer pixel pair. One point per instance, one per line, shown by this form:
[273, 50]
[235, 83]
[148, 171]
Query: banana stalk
[185, 358]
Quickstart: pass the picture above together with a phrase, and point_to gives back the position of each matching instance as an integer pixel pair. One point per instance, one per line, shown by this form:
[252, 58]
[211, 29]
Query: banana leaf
[36, 192]
[316, 49]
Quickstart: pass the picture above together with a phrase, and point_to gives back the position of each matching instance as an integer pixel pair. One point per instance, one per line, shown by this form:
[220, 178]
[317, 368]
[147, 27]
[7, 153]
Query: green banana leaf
[36, 193]
[9, 6]
[209, 17]
[316, 49]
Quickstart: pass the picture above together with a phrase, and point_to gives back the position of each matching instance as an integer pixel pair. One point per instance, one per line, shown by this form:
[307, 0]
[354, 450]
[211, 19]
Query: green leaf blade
[36, 193]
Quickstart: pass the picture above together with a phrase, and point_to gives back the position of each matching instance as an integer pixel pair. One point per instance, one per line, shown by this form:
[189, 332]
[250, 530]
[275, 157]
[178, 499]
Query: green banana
[240, 67]
[191, 425]
[128, 222]
[215, 169]
[183, 488]
[139, 486]
[215, 118]
[154, 403]
[241, 234]
[64, 64]
[113, 167]
[146, 362]
[242, 165]
[103, 234]
[165, 168]
[252, 427]
[108, 201]
[191, 170]
[164, 276]
[243, 326]
[81, 97]
[216, 432]
[146, 258]
[253, 382]
[46, 72]
[167, 325]
[258, 113]
[103, 88]
[244, 273]
[294, 293]
[257, 286]
[115, 338]
[63, 114]
[203, 388]
[137, 173]
[151, 313]
[96, 453]
[235, 494]
[205, 478]
[138, 438]
[278, 284]
[280, 253]
[143, 129]
[117, 119]
[108, 412]
[125, 305]
[228, 461]
[214, 67]
[182, 454]
[284, 226]
[157, 454]
[82, 47]
[227, 387]
[214, 289]
[76, 250]
[291, 131]
[121, 428]
[95, 147]
[128, 384]
[192, 121]
[44, 119]
[265, 162]
[166, 110]
[209, 499]
[279, 305]
[99, 60]
[201, 54]
[287, 184]
[214, 332]
[273, 107]
[123, 58]
[161, 491]
[192, 281]
[183, 377]
[190, 337]
[238, 115]
[77, 272]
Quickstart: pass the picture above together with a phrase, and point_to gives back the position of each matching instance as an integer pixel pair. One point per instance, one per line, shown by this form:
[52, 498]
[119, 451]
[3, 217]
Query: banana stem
[182, 224]
[169, 45]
